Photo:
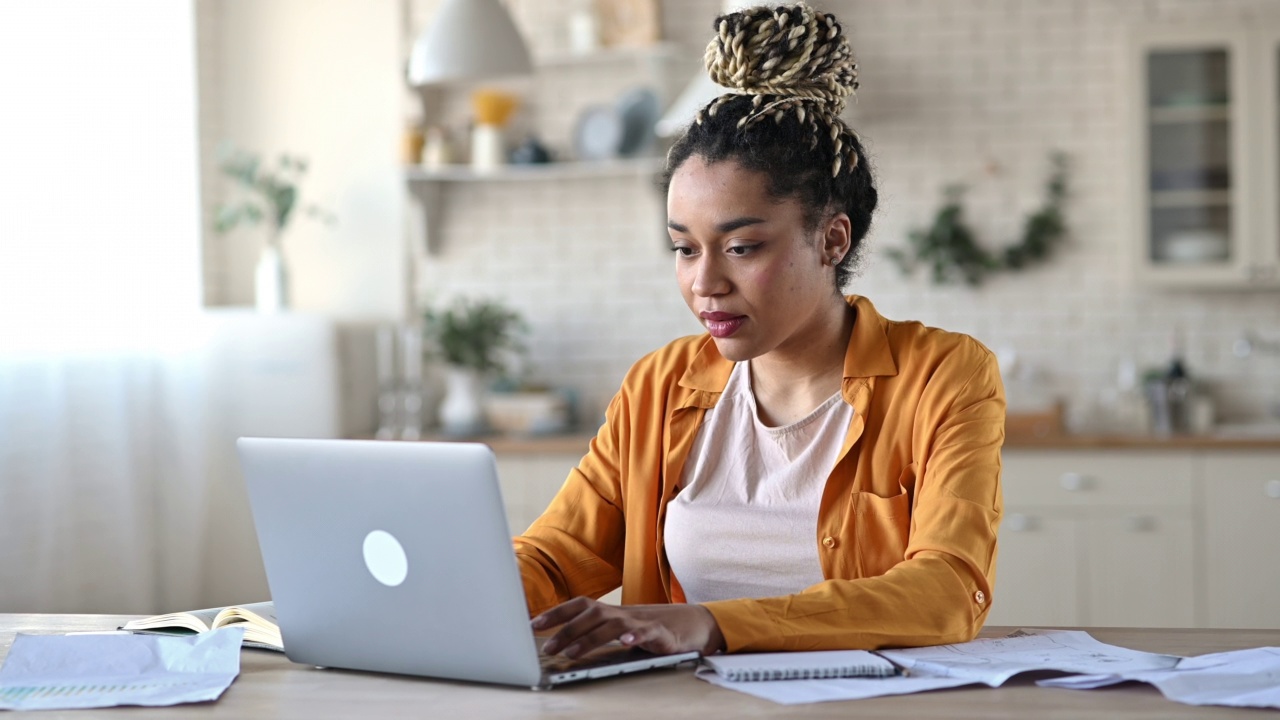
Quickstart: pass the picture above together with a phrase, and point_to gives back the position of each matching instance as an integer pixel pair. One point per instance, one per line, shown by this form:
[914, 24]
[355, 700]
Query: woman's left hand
[661, 629]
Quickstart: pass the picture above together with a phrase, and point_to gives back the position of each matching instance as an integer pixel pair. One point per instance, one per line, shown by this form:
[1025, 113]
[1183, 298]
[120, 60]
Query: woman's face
[747, 267]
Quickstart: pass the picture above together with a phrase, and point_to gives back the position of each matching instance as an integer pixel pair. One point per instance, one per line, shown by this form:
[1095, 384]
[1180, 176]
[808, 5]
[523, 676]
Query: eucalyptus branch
[949, 247]
[272, 192]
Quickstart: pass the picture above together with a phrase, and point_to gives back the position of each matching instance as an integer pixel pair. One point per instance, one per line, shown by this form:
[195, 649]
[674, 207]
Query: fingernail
[627, 638]
[539, 622]
[572, 651]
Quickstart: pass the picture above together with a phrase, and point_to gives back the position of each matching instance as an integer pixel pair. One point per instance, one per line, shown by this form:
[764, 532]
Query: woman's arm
[575, 548]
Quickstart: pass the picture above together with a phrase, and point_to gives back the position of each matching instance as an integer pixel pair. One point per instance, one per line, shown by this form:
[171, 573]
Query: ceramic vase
[462, 411]
[271, 280]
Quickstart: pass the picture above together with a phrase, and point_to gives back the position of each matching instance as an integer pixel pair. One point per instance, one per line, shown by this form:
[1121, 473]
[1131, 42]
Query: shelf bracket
[428, 194]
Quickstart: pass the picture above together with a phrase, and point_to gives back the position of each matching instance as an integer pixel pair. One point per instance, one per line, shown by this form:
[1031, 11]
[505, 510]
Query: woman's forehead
[699, 188]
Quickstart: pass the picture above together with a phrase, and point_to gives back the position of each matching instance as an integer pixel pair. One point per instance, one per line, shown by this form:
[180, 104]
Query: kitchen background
[977, 92]
[130, 500]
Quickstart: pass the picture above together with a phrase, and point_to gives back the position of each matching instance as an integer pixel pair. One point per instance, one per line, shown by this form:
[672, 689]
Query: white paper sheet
[1240, 678]
[988, 661]
[993, 661]
[56, 672]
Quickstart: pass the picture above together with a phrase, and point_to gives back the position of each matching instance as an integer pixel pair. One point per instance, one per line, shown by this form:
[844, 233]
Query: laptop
[396, 557]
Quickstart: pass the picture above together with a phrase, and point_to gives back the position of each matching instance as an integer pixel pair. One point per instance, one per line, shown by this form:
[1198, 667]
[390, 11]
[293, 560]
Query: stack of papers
[1244, 678]
[61, 672]
[1240, 678]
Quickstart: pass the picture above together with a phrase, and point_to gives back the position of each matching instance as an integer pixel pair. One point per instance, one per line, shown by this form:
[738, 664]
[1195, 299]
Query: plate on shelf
[598, 133]
[1191, 246]
[640, 110]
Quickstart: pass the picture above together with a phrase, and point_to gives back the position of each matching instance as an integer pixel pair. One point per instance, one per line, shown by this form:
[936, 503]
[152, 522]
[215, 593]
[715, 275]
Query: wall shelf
[620, 167]
[427, 184]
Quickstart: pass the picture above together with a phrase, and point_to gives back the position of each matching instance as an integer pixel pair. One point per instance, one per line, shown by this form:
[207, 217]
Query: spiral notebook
[800, 665]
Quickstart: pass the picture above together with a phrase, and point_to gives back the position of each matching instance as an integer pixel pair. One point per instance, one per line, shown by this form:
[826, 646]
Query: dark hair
[792, 70]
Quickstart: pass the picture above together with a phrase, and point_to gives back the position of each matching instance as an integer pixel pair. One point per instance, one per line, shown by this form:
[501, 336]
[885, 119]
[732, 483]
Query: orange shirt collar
[868, 355]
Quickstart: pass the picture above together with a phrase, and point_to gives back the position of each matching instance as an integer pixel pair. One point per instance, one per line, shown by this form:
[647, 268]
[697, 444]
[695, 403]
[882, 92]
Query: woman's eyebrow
[724, 227]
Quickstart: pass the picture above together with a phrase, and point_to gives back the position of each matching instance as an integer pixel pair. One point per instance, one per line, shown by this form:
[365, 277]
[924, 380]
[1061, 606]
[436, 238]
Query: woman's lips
[722, 325]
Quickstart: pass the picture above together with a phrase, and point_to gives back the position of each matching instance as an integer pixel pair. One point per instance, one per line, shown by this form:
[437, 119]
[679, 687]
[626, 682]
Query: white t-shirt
[745, 523]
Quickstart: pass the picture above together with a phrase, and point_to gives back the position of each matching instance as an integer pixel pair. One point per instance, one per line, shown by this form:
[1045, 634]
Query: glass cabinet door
[1267, 268]
[1192, 180]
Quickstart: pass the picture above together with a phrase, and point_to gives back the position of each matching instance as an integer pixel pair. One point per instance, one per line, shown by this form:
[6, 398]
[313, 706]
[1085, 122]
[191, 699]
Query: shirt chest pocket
[881, 528]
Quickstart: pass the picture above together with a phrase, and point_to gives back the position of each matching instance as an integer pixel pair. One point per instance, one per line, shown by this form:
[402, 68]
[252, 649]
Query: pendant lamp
[468, 40]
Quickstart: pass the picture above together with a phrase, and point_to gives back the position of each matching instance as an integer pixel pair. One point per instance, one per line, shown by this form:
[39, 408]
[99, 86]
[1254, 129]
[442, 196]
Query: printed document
[987, 661]
[1240, 678]
[61, 672]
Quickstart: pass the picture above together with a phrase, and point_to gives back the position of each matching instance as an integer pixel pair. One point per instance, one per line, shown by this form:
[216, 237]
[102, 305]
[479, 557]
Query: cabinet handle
[1074, 482]
[1272, 489]
[1017, 522]
[1140, 523]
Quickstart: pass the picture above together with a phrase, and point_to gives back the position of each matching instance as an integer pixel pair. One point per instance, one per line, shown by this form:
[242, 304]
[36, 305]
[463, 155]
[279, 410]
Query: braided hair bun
[791, 59]
[790, 73]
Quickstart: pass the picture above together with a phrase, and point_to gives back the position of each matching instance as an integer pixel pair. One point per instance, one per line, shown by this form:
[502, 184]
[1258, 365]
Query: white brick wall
[953, 90]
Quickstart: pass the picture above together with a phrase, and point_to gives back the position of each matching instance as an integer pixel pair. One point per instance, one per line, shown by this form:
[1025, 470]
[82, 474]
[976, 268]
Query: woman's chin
[734, 349]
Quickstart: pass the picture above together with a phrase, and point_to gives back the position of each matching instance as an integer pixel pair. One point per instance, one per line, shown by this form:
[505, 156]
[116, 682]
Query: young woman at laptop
[807, 474]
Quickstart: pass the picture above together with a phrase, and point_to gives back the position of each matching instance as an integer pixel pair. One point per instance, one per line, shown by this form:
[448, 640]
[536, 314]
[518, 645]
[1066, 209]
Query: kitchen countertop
[576, 443]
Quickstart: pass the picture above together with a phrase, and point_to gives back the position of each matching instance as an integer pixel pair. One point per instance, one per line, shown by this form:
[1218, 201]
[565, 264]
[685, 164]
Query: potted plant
[475, 339]
[270, 195]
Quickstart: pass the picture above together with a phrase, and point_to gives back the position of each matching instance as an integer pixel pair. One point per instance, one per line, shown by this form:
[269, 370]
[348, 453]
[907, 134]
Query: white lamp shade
[468, 40]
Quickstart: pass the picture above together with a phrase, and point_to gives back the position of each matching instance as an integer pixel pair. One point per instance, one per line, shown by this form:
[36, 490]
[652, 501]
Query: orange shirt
[907, 524]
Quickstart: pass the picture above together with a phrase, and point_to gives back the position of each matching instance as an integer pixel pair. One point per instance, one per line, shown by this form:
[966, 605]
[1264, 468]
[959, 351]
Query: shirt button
[828, 542]
[979, 597]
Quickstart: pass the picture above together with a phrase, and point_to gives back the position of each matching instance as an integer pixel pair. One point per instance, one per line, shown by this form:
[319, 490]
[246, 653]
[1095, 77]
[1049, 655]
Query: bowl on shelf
[1194, 246]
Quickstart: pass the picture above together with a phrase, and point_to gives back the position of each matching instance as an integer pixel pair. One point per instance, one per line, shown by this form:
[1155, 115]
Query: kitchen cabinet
[1099, 538]
[1179, 536]
[1205, 141]
[1241, 501]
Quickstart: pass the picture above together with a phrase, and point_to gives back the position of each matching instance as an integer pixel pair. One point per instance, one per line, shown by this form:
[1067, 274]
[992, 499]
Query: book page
[194, 620]
[258, 621]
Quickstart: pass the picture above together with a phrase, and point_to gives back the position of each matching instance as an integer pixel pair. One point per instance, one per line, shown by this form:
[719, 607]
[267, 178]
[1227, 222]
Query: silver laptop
[396, 557]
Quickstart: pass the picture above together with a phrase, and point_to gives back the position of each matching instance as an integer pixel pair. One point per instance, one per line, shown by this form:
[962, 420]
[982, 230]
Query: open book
[257, 619]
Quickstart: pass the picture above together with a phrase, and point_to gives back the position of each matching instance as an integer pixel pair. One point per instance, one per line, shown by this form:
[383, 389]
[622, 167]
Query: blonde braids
[799, 59]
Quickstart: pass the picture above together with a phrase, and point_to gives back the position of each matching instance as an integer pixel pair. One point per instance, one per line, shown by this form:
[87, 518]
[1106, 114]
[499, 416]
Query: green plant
[272, 192]
[477, 334]
[950, 248]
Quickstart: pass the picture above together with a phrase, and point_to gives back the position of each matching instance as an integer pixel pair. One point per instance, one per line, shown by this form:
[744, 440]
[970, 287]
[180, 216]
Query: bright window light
[99, 193]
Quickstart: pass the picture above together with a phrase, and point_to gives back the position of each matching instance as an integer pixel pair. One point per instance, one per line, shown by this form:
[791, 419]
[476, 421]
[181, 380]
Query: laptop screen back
[392, 557]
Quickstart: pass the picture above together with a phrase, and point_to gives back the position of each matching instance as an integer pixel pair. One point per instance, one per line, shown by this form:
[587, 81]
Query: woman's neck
[788, 383]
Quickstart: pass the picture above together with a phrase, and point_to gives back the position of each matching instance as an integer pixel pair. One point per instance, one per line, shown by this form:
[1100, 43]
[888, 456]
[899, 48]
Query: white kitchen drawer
[1071, 478]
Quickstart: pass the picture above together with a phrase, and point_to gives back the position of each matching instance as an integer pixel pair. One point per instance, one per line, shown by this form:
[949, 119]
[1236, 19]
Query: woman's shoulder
[913, 341]
[920, 339]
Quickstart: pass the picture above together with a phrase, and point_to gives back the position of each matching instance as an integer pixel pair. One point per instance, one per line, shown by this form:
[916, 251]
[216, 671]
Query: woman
[807, 475]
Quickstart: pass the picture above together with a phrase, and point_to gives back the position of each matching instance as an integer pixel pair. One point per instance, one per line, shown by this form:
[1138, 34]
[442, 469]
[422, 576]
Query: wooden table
[270, 686]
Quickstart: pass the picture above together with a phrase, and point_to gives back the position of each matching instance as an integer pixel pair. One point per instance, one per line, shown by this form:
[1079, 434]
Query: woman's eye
[682, 251]
[742, 249]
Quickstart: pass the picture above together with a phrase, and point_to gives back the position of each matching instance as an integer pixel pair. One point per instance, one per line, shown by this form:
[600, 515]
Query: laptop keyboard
[609, 654]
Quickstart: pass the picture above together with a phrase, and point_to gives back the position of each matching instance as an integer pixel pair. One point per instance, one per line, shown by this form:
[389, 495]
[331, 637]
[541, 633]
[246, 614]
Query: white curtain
[103, 436]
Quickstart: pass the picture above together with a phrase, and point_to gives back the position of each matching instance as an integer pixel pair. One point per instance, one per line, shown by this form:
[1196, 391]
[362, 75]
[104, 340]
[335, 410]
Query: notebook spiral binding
[813, 673]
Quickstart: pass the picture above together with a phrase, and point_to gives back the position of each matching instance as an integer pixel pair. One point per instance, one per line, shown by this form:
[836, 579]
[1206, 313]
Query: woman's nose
[709, 278]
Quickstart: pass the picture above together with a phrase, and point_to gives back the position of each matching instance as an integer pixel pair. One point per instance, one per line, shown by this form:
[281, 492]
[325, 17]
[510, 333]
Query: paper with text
[56, 672]
[1240, 678]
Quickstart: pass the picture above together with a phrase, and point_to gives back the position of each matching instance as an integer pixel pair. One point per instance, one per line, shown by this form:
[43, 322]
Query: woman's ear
[835, 239]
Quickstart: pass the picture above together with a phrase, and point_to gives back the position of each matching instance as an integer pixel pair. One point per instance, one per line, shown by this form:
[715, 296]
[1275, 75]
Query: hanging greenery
[950, 249]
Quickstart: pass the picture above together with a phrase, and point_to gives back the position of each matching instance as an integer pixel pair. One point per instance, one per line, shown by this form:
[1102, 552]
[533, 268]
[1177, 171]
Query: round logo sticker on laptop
[385, 558]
